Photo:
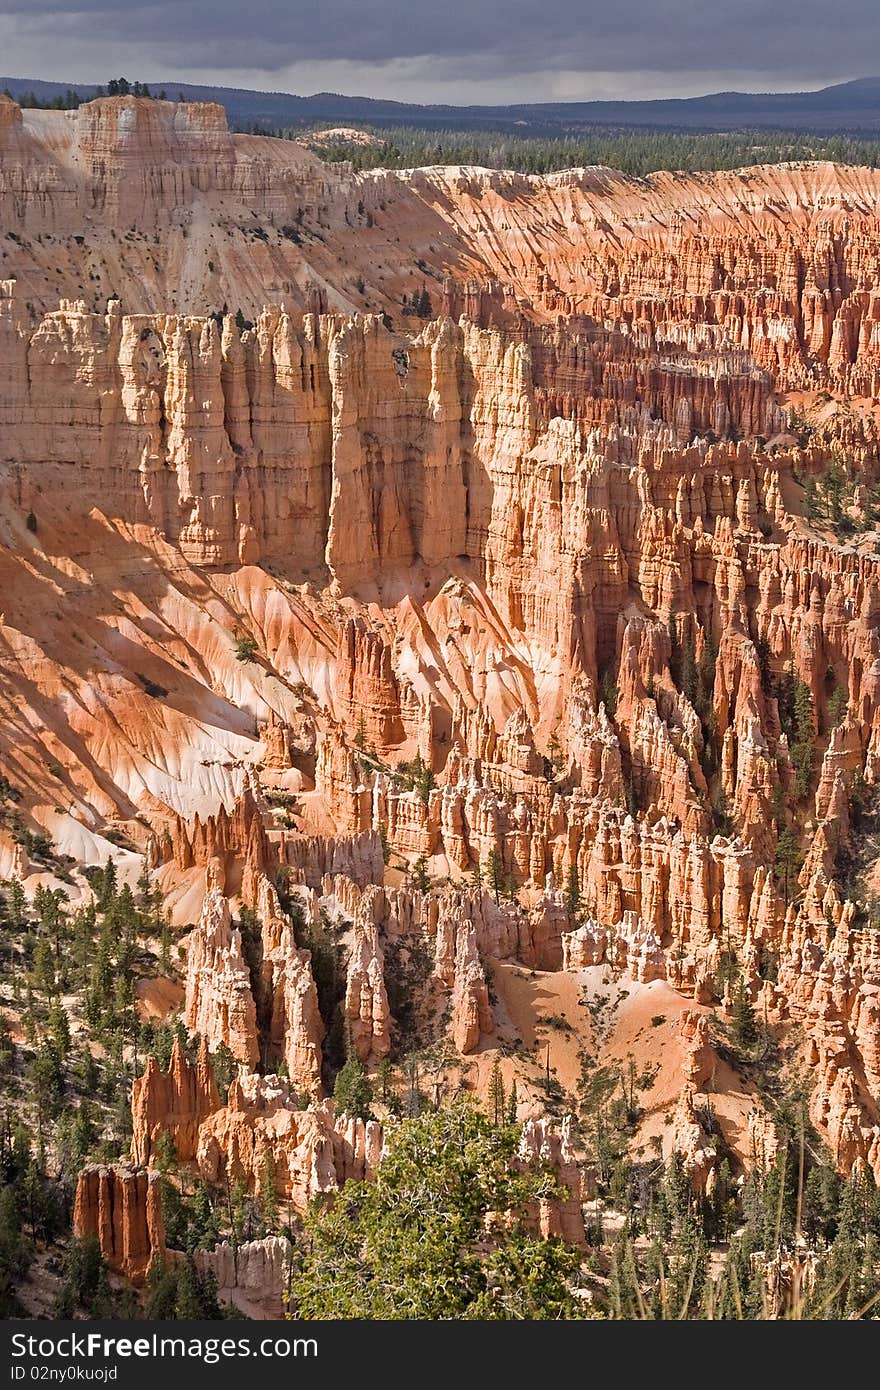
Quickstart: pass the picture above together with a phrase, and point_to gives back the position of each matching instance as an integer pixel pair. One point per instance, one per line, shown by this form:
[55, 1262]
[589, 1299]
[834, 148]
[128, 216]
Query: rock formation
[690, 1139]
[311, 1152]
[530, 640]
[700, 1061]
[471, 1010]
[253, 1277]
[173, 1102]
[542, 1147]
[367, 1015]
[120, 1205]
[219, 1003]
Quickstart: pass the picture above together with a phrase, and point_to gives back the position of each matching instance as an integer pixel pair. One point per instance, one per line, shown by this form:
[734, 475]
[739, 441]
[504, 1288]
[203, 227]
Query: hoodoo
[409, 715]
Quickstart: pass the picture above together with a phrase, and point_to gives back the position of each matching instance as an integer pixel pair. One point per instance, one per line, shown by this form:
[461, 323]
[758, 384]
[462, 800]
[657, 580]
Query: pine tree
[495, 874]
[17, 907]
[838, 702]
[239, 1214]
[609, 691]
[419, 874]
[553, 758]
[166, 1153]
[418, 1241]
[44, 967]
[86, 1071]
[165, 947]
[83, 942]
[204, 1231]
[145, 886]
[573, 891]
[86, 1284]
[743, 1023]
[512, 1104]
[59, 1028]
[210, 1304]
[352, 1093]
[188, 1303]
[224, 1067]
[106, 886]
[46, 1074]
[497, 1098]
[384, 1076]
[15, 1254]
[160, 1300]
[7, 1048]
[674, 651]
[689, 667]
[810, 500]
[804, 733]
[268, 1195]
[788, 858]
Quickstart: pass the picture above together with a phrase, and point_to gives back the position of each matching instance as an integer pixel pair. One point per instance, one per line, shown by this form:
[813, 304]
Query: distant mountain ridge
[847, 107]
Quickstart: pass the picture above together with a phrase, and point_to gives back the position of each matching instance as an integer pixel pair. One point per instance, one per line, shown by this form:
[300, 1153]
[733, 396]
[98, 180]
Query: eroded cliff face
[120, 1206]
[776, 262]
[515, 648]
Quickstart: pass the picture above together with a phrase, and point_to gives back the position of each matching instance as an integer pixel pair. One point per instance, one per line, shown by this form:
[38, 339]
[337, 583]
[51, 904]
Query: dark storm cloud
[811, 37]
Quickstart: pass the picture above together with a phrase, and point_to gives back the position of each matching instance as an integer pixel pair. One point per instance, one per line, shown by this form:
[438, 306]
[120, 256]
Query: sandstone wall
[121, 1207]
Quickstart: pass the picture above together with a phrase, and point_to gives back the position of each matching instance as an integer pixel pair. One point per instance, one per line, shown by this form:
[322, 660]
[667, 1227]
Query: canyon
[505, 649]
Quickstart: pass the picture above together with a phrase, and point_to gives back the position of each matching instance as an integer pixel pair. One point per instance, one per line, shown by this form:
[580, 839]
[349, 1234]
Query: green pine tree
[419, 1241]
[573, 891]
[512, 1104]
[352, 1092]
[495, 874]
[268, 1194]
[497, 1098]
[744, 1027]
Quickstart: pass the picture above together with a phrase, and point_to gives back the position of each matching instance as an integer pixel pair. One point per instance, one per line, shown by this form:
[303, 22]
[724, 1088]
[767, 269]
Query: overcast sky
[449, 50]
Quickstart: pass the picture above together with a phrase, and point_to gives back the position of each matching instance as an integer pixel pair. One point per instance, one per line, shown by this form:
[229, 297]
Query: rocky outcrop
[312, 1153]
[690, 1139]
[172, 1102]
[264, 1006]
[312, 857]
[763, 1139]
[789, 1278]
[366, 1011]
[120, 1206]
[544, 1148]
[691, 1135]
[289, 1015]
[584, 946]
[736, 276]
[828, 981]
[471, 1011]
[138, 163]
[700, 1060]
[220, 842]
[533, 594]
[253, 1276]
[219, 1003]
[296, 1019]
[367, 688]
